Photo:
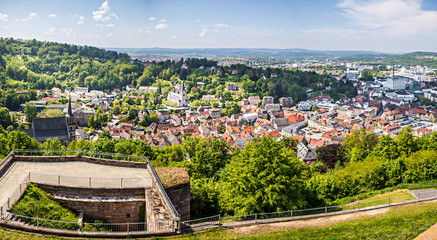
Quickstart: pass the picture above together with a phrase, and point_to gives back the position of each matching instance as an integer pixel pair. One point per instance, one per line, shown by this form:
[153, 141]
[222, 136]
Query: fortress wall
[93, 192]
[180, 197]
[81, 158]
[110, 211]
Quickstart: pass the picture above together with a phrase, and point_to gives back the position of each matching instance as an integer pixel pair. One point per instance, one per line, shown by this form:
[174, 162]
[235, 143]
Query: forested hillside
[43, 65]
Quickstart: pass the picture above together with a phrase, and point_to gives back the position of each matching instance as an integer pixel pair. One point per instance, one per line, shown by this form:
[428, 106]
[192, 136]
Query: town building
[231, 87]
[178, 95]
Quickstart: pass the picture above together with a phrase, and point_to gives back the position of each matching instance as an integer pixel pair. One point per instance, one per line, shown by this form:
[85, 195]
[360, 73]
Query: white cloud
[152, 18]
[163, 20]
[81, 20]
[109, 34]
[51, 31]
[4, 17]
[222, 25]
[68, 32]
[31, 16]
[173, 37]
[161, 26]
[52, 15]
[203, 33]
[396, 17]
[110, 25]
[149, 32]
[198, 20]
[104, 13]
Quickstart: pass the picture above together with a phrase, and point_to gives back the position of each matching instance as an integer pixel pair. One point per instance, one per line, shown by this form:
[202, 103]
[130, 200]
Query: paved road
[73, 173]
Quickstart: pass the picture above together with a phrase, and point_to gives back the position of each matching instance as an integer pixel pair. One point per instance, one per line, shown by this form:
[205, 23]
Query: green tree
[405, 141]
[315, 108]
[91, 122]
[5, 118]
[30, 112]
[263, 177]
[359, 144]
[207, 157]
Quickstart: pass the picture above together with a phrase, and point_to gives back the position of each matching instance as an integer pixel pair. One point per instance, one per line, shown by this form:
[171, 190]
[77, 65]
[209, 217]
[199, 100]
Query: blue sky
[379, 25]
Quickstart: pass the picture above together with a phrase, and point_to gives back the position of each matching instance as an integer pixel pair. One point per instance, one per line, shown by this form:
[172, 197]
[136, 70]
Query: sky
[375, 25]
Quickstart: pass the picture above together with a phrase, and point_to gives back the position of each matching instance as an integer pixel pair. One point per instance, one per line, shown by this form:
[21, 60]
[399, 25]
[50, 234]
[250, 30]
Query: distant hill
[240, 52]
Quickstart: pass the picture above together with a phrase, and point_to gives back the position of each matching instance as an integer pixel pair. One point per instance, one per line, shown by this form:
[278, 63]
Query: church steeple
[69, 112]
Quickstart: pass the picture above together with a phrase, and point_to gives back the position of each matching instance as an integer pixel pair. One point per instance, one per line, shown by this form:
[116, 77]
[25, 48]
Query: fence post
[29, 176]
[326, 210]
[256, 217]
[59, 180]
[418, 197]
[37, 223]
[291, 213]
[121, 182]
[9, 199]
[127, 227]
[179, 225]
[358, 206]
[389, 201]
[20, 188]
[1, 209]
[219, 221]
[90, 182]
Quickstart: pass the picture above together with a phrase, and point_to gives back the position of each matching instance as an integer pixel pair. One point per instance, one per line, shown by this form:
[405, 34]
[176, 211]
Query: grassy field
[403, 222]
[396, 196]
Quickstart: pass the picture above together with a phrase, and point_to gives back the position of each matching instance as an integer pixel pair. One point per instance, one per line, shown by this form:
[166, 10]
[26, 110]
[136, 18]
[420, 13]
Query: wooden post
[389, 202]
[291, 213]
[29, 176]
[59, 180]
[90, 182]
[219, 220]
[127, 227]
[121, 182]
[326, 210]
[418, 197]
[9, 199]
[256, 217]
[358, 206]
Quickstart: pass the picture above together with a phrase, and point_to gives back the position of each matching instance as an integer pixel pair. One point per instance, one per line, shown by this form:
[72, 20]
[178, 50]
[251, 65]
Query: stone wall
[180, 197]
[112, 211]
[93, 192]
[81, 158]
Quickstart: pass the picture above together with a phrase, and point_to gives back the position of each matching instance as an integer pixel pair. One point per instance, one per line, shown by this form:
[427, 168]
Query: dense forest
[266, 175]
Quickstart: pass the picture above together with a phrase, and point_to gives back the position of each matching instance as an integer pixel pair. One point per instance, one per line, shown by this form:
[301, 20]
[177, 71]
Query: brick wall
[93, 192]
[110, 211]
[180, 197]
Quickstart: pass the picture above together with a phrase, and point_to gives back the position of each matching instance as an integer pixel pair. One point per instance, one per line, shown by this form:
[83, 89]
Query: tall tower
[70, 121]
[183, 95]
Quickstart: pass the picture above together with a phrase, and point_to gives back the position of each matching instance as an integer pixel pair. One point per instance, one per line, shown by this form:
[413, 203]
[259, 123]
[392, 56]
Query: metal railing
[171, 225]
[89, 153]
[167, 200]
[89, 182]
[113, 156]
[233, 221]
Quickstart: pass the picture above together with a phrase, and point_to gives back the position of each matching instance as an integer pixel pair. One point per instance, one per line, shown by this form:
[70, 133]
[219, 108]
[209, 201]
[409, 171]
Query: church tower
[183, 95]
[70, 121]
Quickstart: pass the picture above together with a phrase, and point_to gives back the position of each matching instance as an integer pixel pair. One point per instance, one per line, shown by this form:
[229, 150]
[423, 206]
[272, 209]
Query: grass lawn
[396, 196]
[402, 222]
